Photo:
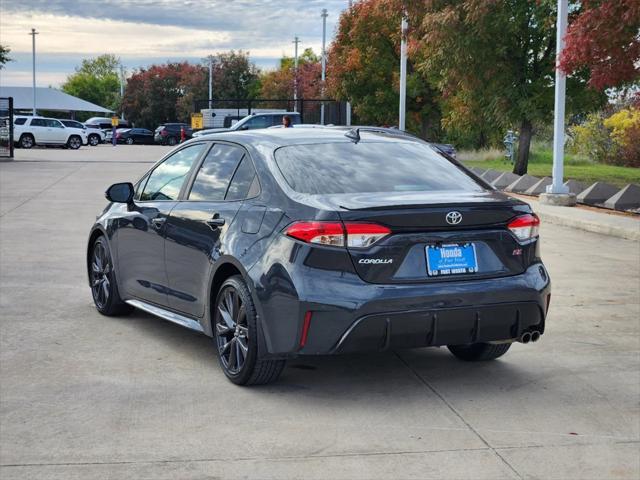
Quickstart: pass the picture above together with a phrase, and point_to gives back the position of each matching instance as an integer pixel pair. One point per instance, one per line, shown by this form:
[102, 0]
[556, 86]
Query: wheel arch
[93, 236]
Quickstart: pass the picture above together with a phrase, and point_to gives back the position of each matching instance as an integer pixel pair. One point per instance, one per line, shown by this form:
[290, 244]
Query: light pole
[121, 90]
[33, 47]
[324, 60]
[348, 112]
[211, 60]
[403, 71]
[296, 41]
[558, 193]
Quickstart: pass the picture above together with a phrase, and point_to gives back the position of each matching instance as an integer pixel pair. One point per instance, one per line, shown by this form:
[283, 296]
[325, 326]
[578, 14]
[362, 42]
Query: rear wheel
[172, 141]
[130, 141]
[478, 352]
[74, 142]
[103, 281]
[27, 141]
[236, 336]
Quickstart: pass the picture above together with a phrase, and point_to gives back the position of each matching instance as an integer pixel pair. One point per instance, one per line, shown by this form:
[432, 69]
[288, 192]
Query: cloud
[151, 31]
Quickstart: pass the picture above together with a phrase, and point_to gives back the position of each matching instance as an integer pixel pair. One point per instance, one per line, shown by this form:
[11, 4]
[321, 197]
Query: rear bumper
[349, 315]
[449, 326]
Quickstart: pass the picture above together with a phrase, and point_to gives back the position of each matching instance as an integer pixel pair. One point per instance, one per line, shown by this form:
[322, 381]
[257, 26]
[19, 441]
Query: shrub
[625, 133]
[592, 139]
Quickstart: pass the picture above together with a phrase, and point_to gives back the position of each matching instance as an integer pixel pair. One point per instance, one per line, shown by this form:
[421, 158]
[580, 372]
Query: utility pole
[121, 90]
[403, 71]
[324, 60]
[33, 47]
[296, 41]
[211, 60]
[558, 193]
[348, 122]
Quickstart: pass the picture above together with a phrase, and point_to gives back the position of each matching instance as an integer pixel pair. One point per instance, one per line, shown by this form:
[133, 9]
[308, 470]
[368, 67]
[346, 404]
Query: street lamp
[324, 16]
[404, 26]
[558, 193]
[296, 41]
[33, 47]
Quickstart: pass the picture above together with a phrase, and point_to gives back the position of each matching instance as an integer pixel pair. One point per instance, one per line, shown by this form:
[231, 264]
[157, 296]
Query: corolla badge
[453, 217]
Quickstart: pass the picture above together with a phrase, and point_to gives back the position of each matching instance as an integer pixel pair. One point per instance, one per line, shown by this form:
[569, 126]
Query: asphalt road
[83, 396]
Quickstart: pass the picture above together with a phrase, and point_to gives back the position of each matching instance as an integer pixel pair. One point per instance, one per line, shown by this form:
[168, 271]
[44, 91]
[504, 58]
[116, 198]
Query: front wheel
[94, 140]
[129, 141]
[103, 281]
[172, 141]
[236, 336]
[74, 142]
[478, 352]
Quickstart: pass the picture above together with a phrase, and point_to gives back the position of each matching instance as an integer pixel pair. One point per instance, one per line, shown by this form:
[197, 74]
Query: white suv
[30, 131]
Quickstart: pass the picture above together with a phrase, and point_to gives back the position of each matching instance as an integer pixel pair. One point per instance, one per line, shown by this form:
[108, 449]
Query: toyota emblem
[453, 218]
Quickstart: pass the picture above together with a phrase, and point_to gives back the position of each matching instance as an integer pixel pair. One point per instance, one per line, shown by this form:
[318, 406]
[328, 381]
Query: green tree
[4, 55]
[96, 81]
[500, 56]
[235, 76]
[363, 67]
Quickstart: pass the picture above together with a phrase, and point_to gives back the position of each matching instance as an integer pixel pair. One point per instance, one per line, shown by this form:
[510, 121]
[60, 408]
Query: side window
[217, 169]
[261, 121]
[51, 123]
[166, 180]
[276, 119]
[243, 181]
[38, 122]
[19, 121]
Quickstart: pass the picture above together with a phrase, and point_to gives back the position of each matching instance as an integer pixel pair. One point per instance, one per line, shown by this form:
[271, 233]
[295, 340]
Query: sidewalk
[589, 219]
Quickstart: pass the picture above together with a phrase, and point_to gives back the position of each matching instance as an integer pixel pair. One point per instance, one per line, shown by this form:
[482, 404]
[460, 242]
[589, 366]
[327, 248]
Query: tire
[479, 352]
[235, 335]
[94, 140]
[74, 142]
[129, 141]
[172, 141]
[104, 289]
[27, 140]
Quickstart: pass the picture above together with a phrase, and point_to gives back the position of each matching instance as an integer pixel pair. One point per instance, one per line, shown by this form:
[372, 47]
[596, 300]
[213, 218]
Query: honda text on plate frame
[281, 243]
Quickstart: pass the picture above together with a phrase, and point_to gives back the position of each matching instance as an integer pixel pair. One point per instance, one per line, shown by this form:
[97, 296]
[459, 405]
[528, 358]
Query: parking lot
[86, 396]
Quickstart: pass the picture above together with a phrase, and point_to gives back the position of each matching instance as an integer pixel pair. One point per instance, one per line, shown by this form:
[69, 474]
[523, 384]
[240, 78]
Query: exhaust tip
[535, 336]
[525, 337]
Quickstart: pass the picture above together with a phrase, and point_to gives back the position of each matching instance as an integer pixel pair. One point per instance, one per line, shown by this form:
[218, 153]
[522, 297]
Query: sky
[144, 32]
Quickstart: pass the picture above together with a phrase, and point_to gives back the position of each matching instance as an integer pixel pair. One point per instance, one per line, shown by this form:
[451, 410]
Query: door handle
[158, 222]
[216, 221]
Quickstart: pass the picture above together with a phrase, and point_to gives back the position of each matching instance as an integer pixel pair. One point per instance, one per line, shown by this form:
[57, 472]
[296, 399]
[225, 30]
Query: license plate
[451, 259]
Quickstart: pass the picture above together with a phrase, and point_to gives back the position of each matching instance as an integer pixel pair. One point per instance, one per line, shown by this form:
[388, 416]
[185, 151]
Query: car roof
[279, 137]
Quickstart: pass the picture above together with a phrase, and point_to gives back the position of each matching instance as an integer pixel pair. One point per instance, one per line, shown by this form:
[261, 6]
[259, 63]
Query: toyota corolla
[280, 243]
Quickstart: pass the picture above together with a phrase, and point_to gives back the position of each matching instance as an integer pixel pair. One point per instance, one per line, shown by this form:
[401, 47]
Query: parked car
[104, 123]
[289, 242]
[171, 133]
[95, 135]
[134, 135]
[30, 131]
[254, 122]
[77, 125]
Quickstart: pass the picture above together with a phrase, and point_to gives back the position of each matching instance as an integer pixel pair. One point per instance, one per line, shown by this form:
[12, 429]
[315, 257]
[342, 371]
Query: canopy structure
[49, 99]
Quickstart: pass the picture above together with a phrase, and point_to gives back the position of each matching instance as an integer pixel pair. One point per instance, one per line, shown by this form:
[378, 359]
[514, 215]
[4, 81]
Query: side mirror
[120, 192]
[244, 128]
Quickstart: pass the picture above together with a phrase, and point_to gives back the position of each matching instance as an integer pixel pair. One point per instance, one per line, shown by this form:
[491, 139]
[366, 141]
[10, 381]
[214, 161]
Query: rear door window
[38, 122]
[19, 121]
[212, 180]
[367, 167]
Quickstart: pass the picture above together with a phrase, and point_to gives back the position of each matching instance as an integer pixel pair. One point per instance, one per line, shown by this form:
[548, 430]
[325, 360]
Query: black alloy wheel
[237, 337]
[232, 332]
[103, 281]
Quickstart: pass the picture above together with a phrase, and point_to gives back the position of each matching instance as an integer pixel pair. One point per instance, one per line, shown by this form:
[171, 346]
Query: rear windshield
[369, 167]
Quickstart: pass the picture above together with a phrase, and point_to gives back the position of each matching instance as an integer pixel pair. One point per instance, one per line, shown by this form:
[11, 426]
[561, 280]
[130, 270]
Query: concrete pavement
[84, 396]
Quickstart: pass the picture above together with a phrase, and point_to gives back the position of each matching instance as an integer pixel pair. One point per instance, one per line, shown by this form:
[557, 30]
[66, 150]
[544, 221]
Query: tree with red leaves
[604, 38]
[279, 84]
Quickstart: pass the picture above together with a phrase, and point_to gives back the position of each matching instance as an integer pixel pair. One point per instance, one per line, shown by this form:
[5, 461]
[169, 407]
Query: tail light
[337, 234]
[525, 227]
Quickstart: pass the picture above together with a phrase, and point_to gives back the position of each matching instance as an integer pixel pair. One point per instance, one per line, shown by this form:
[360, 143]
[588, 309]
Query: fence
[310, 109]
[6, 127]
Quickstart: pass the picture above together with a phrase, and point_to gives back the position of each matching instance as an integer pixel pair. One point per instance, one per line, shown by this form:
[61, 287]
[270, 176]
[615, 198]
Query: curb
[588, 226]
